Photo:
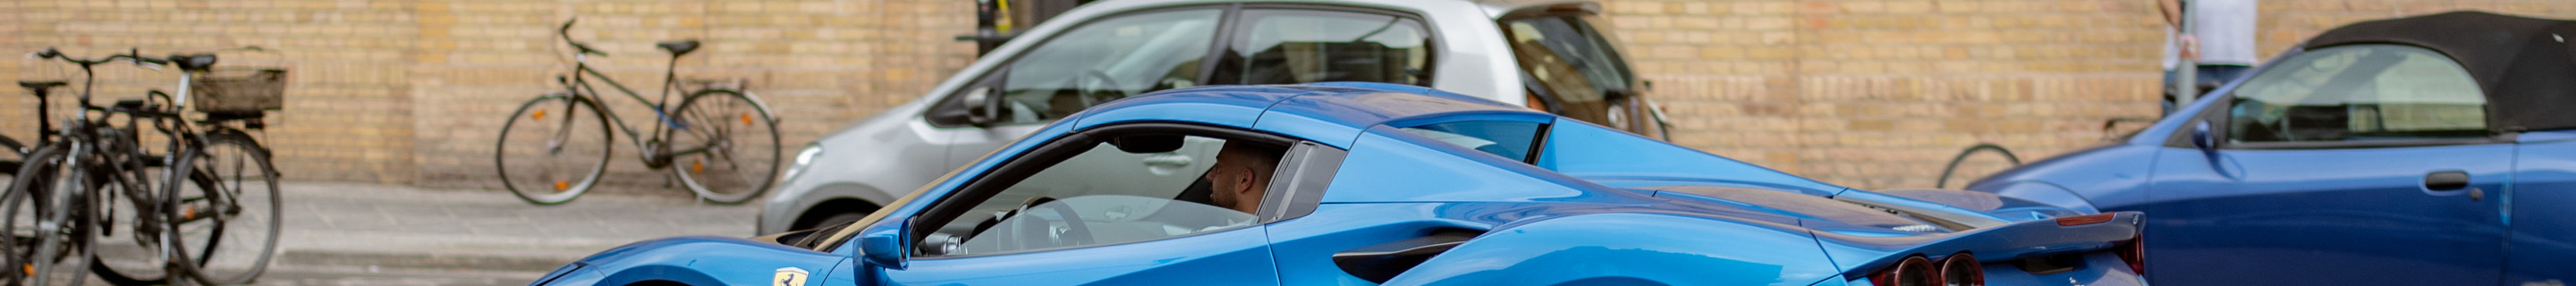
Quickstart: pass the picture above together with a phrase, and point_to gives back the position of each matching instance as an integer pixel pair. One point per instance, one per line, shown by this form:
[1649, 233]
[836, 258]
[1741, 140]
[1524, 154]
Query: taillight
[1913, 271]
[2085, 219]
[2135, 253]
[1962, 270]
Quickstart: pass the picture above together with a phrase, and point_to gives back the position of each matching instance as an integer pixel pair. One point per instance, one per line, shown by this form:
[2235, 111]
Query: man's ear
[1242, 180]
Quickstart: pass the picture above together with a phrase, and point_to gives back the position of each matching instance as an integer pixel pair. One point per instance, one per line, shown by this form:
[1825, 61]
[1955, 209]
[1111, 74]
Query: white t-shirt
[2226, 31]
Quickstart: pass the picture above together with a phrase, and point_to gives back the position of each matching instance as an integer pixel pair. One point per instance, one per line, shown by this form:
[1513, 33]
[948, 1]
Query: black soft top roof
[2523, 64]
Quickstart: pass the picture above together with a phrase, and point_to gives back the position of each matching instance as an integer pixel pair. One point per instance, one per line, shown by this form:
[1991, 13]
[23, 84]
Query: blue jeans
[2207, 77]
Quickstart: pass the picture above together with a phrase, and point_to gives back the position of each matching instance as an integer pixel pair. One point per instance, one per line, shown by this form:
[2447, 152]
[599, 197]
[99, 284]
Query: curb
[422, 261]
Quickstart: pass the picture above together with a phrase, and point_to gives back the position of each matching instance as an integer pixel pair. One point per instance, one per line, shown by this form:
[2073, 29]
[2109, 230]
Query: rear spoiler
[2007, 242]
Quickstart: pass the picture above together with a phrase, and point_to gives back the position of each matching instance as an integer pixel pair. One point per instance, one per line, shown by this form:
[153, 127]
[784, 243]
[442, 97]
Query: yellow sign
[788, 277]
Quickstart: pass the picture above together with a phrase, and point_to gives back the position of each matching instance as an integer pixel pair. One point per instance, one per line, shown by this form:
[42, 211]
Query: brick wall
[1868, 93]
[1881, 93]
[413, 91]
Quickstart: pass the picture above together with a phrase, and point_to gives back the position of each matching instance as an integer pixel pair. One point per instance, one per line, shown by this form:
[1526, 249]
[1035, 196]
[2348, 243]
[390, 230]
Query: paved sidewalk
[341, 225]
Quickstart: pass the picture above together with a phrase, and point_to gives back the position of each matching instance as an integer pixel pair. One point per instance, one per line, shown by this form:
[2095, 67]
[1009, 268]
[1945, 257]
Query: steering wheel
[1096, 86]
[1076, 234]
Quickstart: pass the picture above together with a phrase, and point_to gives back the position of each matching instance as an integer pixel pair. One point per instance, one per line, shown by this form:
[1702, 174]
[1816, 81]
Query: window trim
[985, 185]
[2219, 119]
[1309, 168]
[1225, 57]
[992, 76]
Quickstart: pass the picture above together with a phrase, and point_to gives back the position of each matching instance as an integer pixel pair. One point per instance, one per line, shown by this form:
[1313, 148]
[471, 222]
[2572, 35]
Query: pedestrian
[2220, 42]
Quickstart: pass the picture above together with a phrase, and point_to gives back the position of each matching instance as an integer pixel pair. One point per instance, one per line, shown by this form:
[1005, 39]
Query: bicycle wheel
[226, 231]
[726, 146]
[44, 219]
[128, 240]
[547, 153]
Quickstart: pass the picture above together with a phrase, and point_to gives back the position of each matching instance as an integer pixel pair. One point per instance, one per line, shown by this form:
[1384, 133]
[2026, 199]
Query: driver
[1241, 176]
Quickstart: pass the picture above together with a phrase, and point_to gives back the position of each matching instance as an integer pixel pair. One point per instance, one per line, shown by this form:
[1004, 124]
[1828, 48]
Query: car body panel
[2543, 173]
[2351, 212]
[1538, 253]
[1395, 185]
[872, 160]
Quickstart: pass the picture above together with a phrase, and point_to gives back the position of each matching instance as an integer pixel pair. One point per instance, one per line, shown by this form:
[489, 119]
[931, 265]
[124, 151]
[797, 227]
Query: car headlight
[803, 158]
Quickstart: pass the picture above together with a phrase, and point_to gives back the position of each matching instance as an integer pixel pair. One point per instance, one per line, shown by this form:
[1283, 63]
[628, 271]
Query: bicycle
[73, 184]
[552, 168]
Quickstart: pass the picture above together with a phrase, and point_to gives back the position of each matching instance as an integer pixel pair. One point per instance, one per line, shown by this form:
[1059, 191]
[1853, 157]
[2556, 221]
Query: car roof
[1332, 113]
[2522, 63]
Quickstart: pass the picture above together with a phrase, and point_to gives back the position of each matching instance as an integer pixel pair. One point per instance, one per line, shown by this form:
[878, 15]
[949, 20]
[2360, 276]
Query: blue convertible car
[2432, 150]
[1362, 184]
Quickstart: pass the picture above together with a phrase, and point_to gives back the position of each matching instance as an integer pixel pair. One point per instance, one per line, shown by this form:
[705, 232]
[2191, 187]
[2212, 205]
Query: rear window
[1511, 139]
[1571, 60]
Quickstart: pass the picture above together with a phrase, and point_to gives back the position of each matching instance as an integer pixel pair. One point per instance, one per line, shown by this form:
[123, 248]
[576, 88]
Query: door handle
[2446, 180]
[2452, 181]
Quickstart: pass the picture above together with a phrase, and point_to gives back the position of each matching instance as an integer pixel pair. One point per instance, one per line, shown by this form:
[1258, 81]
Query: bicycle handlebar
[566, 32]
[132, 55]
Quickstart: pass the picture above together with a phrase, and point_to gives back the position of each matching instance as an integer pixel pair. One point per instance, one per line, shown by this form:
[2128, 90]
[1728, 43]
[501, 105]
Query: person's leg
[2168, 103]
[2219, 75]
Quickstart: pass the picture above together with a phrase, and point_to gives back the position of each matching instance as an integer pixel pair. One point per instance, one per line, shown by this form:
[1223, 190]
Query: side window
[1278, 46]
[2359, 93]
[1094, 63]
[1510, 139]
[1570, 61]
[1134, 188]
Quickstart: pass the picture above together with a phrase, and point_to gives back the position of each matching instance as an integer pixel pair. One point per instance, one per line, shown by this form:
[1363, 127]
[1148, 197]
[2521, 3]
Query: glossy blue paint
[2106, 177]
[1570, 250]
[2543, 242]
[700, 261]
[1238, 106]
[1231, 257]
[1536, 225]
[2350, 215]
[1600, 153]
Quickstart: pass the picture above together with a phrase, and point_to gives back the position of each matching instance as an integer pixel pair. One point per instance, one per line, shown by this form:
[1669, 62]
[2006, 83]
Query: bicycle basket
[239, 90]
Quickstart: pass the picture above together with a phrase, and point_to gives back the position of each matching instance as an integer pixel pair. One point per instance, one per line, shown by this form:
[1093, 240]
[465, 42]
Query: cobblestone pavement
[367, 234]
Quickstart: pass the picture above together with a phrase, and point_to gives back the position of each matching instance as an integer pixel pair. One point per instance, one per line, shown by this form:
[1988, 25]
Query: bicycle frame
[578, 85]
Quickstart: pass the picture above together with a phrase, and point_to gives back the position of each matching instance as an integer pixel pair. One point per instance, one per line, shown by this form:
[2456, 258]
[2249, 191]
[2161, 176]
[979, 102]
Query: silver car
[1548, 55]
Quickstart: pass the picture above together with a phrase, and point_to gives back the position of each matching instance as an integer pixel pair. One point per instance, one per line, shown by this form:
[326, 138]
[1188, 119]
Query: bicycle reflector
[1913, 271]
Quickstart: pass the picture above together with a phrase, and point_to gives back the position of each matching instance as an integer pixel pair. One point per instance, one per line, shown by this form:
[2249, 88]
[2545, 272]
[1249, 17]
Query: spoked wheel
[128, 241]
[48, 244]
[727, 148]
[553, 149]
[226, 231]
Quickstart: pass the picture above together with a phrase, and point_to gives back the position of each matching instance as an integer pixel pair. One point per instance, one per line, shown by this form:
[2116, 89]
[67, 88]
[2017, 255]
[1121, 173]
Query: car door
[1093, 218]
[1104, 59]
[2346, 165]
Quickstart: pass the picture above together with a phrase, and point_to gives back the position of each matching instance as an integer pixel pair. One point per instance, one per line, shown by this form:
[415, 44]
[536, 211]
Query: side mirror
[2200, 137]
[882, 245]
[980, 106]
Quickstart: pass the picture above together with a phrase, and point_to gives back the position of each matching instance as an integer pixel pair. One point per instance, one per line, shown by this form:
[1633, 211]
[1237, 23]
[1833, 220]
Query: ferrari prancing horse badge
[788, 277]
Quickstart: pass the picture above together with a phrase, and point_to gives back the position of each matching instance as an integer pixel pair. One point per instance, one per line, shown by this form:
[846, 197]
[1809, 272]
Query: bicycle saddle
[680, 47]
[40, 84]
[131, 104]
[196, 62]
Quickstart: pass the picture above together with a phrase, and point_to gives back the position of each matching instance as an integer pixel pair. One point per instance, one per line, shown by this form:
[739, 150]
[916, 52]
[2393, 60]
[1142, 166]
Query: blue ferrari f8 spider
[1366, 184]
